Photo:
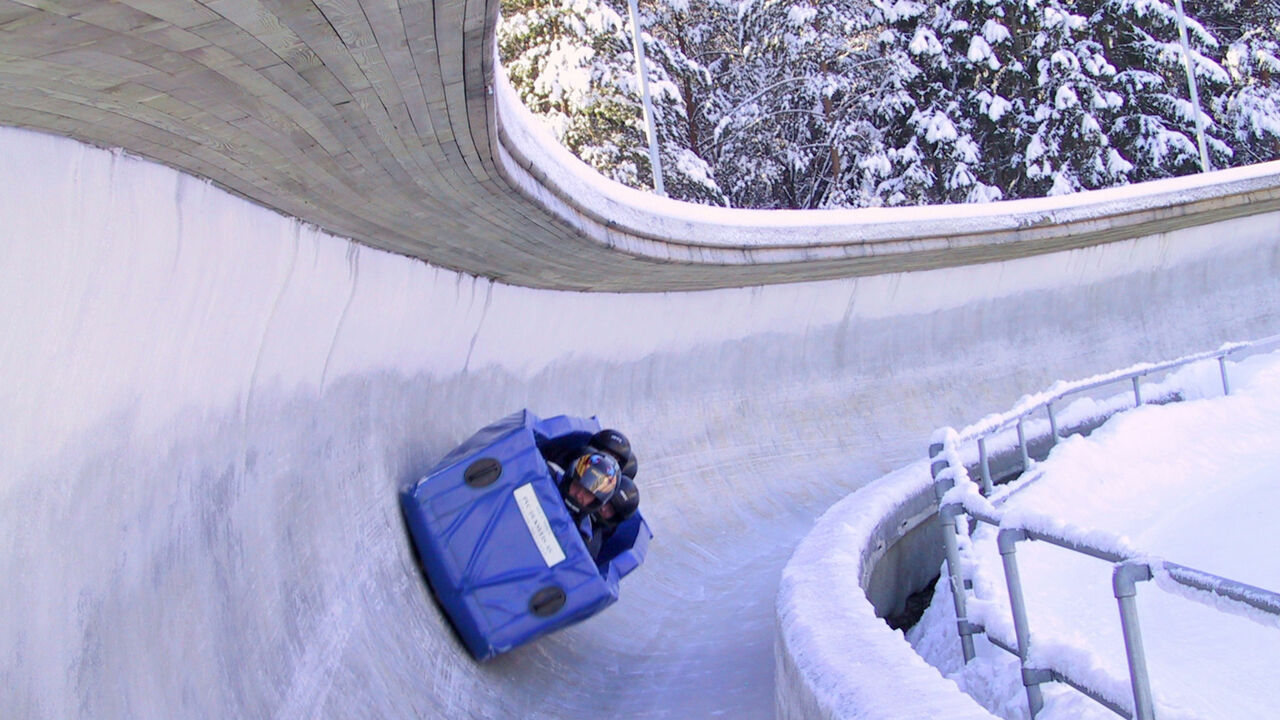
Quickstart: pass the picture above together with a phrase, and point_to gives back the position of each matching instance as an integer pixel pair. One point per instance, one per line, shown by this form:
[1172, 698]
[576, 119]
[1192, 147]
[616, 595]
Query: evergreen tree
[791, 115]
[1248, 30]
[572, 63]
[1157, 129]
[930, 111]
[1064, 104]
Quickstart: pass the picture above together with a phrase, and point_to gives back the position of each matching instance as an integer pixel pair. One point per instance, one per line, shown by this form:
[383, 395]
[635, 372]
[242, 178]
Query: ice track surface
[206, 410]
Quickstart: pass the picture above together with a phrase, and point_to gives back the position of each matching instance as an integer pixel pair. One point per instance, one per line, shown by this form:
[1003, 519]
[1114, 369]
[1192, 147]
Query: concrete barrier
[834, 658]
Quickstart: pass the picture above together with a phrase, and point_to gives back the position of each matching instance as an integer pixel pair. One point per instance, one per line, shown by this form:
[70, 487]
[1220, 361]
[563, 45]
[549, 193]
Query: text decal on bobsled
[539, 527]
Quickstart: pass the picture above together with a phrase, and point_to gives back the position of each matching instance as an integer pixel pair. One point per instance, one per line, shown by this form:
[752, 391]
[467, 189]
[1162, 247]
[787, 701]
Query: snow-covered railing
[1017, 416]
[1211, 590]
[960, 500]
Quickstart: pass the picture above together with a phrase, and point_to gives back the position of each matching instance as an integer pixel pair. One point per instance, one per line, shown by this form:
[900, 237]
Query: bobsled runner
[501, 552]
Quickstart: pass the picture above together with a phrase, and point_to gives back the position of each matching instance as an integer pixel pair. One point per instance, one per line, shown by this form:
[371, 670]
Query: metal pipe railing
[984, 462]
[1007, 541]
[951, 546]
[1053, 422]
[1124, 581]
[1132, 375]
[1022, 445]
[1127, 570]
[1223, 588]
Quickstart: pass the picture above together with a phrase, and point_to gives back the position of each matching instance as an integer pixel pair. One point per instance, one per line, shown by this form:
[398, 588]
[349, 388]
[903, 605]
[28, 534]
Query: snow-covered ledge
[647, 225]
[833, 657]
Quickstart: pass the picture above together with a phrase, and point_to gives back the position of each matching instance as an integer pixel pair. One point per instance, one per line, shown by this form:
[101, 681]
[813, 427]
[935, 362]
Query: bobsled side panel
[495, 554]
[484, 437]
[626, 549]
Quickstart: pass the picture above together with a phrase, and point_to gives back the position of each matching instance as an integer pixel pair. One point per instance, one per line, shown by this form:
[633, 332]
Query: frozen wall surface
[206, 410]
[389, 122]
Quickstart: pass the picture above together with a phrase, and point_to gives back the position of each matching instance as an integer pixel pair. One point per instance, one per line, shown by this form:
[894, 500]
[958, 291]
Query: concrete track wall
[207, 409]
[834, 657]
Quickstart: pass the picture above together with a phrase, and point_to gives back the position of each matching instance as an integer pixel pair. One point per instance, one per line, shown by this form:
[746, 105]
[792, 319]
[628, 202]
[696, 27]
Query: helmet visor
[597, 474]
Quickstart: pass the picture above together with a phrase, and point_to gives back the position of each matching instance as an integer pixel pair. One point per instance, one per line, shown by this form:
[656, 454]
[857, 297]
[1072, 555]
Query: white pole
[642, 72]
[1191, 83]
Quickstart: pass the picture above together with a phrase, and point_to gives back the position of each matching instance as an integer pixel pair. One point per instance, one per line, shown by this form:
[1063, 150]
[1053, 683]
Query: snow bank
[1190, 481]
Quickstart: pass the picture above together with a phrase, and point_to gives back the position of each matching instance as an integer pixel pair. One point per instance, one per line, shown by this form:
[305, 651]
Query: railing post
[1007, 540]
[1222, 368]
[1022, 445]
[1053, 423]
[1124, 581]
[1137, 393]
[984, 466]
[947, 515]
[937, 465]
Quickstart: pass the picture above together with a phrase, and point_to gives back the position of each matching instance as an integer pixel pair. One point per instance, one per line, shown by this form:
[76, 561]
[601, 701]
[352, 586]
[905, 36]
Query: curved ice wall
[206, 409]
[389, 122]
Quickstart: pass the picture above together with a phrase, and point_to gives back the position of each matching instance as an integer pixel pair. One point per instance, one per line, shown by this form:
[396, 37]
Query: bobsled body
[501, 552]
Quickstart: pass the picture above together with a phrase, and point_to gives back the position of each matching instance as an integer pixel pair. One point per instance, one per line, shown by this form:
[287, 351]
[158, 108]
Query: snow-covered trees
[1157, 128]
[992, 99]
[941, 92]
[572, 63]
[939, 68]
[1249, 30]
[1067, 106]
[836, 103]
[686, 44]
[793, 114]
[568, 62]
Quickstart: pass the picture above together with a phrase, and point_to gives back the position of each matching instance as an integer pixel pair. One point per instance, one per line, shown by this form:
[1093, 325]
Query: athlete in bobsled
[527, 527]
[597, 482]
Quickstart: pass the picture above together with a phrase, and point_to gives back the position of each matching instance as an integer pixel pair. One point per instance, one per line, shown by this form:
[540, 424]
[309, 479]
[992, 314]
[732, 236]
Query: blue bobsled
[501, 552]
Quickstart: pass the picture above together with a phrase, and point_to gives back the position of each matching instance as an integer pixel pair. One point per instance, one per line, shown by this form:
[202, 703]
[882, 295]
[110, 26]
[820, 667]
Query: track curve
[389, 123]
[208, 408]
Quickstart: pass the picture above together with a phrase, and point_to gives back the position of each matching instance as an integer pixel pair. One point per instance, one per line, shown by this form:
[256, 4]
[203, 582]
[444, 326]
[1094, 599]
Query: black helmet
[617, 445]
[623, 504]
[589, 482]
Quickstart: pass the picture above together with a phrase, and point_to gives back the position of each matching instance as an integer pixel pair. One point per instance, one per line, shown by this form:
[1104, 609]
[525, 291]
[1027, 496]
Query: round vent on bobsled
[547, 601]
[482, 472]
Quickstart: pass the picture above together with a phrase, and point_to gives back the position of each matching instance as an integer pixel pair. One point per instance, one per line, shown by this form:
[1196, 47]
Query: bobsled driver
[597, 488]
[589, 483]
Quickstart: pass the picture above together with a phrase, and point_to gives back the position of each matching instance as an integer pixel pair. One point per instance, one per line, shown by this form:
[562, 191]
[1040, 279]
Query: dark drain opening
[917, 603]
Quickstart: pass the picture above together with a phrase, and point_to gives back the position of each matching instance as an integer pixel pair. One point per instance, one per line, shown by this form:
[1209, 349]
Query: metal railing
[1018, 416]
[949, 470]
